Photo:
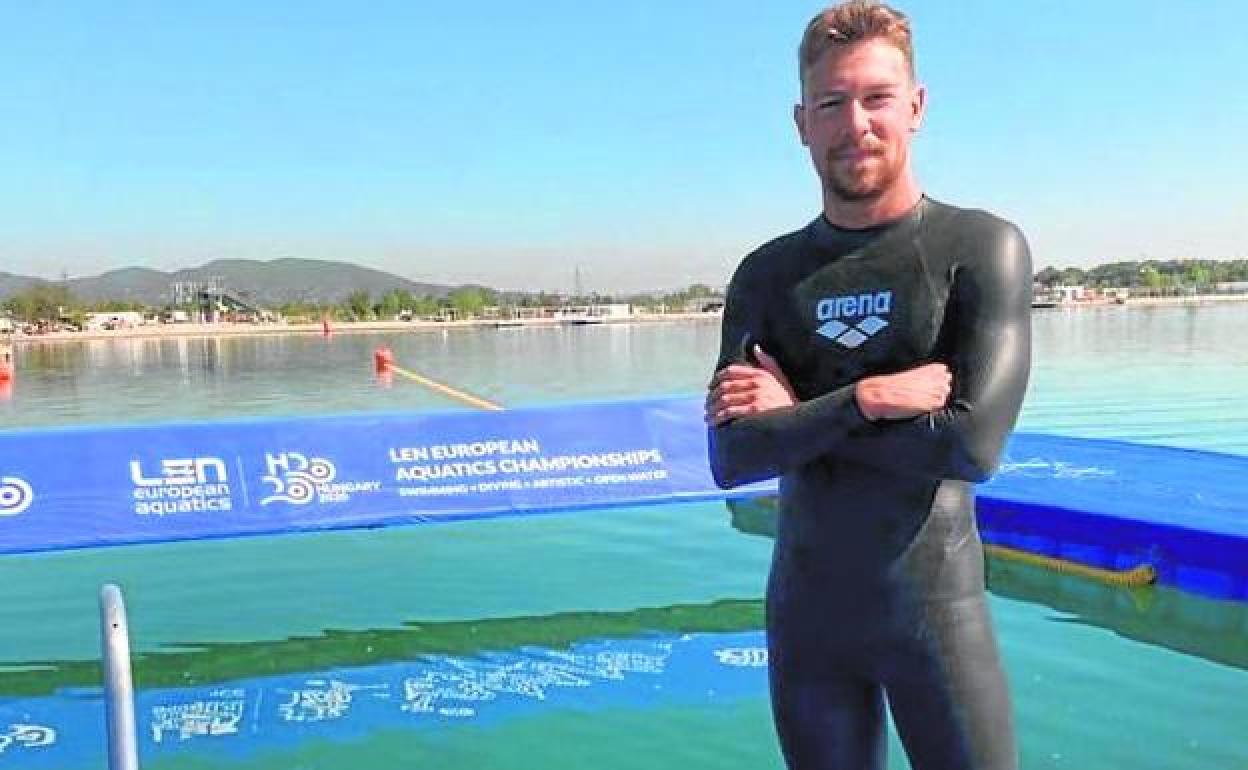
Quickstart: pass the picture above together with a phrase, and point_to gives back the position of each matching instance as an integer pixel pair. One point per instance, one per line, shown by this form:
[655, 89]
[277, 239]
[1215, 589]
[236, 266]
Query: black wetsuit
[877, 584]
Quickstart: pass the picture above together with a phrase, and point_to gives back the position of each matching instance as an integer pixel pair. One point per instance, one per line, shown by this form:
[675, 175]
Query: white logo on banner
[219, 714]
[322, 700]
[459, 687]
[27, 736]
[295, 477]
[15, 495]
[1040, 468]
[180, 472]
[300, 479]
[744, 657]
[183, 485]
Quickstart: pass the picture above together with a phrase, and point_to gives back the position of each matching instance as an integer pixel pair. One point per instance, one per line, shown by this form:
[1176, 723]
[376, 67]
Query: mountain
[12, 284]
[129, 284]
[267, 284]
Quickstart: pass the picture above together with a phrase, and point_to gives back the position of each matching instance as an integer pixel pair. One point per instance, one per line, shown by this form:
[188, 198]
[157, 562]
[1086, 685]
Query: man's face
[859, 109]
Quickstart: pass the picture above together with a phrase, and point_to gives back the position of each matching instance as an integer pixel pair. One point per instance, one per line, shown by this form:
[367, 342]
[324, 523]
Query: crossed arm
[945, 419]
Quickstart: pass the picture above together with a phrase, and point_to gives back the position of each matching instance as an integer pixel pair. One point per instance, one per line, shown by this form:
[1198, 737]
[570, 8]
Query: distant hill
[267, 284]
[12, 284]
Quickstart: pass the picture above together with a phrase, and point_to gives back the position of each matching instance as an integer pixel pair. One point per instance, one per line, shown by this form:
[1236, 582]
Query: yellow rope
[1136, 576]
[447, 390]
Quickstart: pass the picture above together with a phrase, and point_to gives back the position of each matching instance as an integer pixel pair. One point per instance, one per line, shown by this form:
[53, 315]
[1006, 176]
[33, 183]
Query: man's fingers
[732, 399]
[729, 400]
[726, 412]
[733, 387]
[732, 372]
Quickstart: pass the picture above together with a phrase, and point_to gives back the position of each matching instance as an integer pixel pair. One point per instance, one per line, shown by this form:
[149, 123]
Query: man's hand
[905, 394]
[741, 389]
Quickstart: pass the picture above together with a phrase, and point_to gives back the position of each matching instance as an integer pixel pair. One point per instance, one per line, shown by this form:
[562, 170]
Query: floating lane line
[446, 390]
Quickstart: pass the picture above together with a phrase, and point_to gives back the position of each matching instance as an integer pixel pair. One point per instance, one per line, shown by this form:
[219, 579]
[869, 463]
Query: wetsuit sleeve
[989, 318]
[761, 446]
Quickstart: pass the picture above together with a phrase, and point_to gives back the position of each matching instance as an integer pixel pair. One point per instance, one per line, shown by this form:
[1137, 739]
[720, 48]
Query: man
[876, 360]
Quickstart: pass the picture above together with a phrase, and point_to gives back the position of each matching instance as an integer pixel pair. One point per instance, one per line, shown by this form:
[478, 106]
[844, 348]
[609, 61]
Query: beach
[225, 328]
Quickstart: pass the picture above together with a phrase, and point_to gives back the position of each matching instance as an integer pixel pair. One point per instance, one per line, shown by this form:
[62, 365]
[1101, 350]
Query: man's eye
[829, 104]
[879, 99]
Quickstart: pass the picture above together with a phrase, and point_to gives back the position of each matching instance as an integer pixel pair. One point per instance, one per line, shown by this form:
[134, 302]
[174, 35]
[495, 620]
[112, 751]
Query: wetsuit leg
[947, 692]
[829, 724]
[828, 714]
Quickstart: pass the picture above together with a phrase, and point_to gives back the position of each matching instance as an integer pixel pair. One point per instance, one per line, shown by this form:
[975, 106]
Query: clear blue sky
[648, 142]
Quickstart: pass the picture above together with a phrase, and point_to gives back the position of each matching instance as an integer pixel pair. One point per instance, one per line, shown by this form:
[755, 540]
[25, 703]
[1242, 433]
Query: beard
[860, 180]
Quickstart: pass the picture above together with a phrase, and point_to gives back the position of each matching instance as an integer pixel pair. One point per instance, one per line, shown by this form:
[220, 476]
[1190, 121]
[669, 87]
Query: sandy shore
[174, 331]
[1186, 301]
[1195, 299]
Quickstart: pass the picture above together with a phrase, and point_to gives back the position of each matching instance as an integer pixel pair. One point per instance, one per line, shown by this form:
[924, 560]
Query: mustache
[851, 149]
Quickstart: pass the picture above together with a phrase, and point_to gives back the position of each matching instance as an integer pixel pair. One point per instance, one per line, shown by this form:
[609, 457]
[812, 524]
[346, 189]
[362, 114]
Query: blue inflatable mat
[1104, 503]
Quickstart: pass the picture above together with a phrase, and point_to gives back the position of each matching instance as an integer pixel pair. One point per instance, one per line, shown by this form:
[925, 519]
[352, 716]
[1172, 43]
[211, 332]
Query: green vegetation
[41, 302]
[51, 302]
[1161, 276]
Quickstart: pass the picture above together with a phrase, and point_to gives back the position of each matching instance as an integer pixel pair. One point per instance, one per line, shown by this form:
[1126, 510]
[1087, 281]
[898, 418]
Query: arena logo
[182, 485]
[852, 319]
[15, 495]
[299, 479]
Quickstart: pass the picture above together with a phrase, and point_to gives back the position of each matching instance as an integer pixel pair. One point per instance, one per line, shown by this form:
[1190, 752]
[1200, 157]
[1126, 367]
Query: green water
[1100, 678]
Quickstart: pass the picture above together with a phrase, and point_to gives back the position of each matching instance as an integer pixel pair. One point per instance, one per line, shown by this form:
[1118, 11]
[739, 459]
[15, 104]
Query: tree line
[54, 302]
[1198, 274]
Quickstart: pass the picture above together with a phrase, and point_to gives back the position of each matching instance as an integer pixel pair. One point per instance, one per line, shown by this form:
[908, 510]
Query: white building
[120, 319]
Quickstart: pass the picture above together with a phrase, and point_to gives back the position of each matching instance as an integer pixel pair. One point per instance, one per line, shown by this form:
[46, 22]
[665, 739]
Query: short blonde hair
[851, 22]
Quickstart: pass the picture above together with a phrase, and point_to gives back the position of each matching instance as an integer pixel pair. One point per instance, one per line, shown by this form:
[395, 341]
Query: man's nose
[857, 119]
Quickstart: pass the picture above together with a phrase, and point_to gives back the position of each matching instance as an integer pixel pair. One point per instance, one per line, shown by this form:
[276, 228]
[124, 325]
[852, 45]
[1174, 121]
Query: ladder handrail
[118, 683]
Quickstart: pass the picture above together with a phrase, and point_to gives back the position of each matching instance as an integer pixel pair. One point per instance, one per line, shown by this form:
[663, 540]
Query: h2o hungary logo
[853, 319]
[296, 477]
[15, 495]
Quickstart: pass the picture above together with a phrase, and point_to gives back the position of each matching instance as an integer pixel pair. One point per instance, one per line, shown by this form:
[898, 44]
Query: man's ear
[918, 107]
[799, 118]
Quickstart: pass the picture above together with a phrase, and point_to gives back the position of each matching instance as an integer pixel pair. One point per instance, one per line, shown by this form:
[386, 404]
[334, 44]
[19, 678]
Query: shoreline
[1195, 299]
[228, 329]
[1192, 300]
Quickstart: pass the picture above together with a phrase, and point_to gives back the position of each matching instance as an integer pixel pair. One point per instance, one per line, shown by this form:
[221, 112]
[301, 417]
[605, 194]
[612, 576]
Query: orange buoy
[383, 359]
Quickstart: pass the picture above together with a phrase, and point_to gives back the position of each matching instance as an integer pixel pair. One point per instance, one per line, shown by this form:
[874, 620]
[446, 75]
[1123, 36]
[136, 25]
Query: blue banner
[69, 488]
[1106, 503]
